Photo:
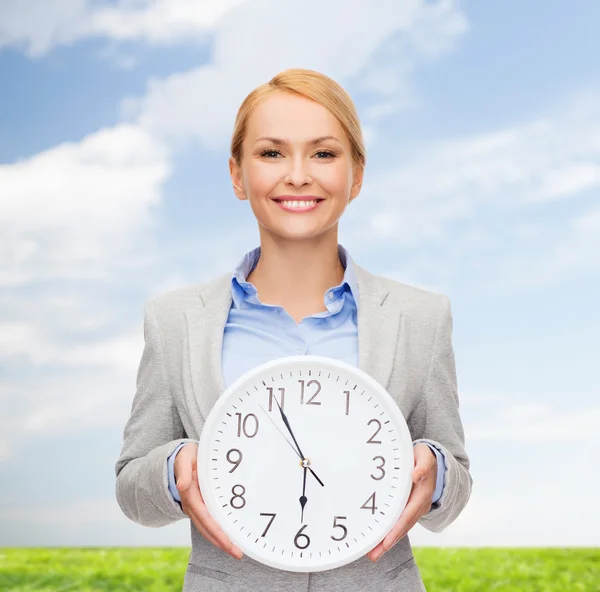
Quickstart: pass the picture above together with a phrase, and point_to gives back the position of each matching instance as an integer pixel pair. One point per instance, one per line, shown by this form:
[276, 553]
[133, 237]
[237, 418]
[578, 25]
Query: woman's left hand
[419, 502]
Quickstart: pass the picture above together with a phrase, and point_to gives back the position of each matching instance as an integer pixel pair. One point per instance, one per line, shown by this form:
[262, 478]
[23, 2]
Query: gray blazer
[404, 342]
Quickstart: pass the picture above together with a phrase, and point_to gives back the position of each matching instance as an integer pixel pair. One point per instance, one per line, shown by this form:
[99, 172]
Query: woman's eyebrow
[281, 142]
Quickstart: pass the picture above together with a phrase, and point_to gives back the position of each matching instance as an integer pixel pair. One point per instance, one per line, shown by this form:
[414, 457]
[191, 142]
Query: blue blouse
[256, 333]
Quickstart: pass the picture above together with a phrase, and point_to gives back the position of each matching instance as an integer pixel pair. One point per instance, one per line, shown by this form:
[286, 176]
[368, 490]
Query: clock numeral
[238, 496]
[372, 507]
[311, 401]
[282, 391]
[234, 462]
[299, 536]
[347, 393]
[244, 427]
[380, 468]
[270, 522]
[336, 525]
[370, 440]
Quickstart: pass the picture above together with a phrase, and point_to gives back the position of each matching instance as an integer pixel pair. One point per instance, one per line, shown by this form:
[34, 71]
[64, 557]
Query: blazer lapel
[378, 328]
[206, 323]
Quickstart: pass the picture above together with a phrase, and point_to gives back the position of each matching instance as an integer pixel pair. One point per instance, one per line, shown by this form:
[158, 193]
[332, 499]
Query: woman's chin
[294, 232]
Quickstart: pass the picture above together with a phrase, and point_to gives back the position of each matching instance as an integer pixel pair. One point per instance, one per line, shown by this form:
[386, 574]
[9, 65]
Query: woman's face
[280, 162]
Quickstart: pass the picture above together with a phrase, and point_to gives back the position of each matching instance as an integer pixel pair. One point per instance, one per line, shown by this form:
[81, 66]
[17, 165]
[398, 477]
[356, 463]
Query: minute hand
[287, 425]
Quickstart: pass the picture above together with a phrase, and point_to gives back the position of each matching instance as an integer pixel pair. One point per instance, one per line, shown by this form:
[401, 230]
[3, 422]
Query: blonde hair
[311, 85]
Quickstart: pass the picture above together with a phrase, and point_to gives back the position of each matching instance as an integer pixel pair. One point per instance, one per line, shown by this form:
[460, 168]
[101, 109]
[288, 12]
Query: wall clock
[305, 462]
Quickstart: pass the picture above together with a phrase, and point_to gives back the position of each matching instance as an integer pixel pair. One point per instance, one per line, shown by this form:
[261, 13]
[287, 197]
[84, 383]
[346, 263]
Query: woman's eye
[274, 153]
[269, 152]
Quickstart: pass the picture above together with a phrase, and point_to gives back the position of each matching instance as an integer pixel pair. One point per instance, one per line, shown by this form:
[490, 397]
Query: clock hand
[287, 425]
[315, 476]
[303, 498]
[279, 430]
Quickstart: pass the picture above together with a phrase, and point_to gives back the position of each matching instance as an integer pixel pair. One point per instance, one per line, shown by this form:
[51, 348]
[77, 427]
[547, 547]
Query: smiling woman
[308, 163]
[297, 157]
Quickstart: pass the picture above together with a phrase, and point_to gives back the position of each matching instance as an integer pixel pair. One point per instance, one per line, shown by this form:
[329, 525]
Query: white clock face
[326, 498]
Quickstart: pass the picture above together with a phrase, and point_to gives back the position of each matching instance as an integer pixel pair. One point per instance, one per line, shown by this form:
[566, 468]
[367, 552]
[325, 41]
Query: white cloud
[76, 212]
[94, 392]
[537, 423]
[77, 209]
[39, 26]
[58, 514]
[530, 462]
[77, 522]
[465, 205]
[159, 21]
[536, 163]
[570, 179]
[4, 452]
[31, 342]
[552, 252]
[526, 516]
[261, 38]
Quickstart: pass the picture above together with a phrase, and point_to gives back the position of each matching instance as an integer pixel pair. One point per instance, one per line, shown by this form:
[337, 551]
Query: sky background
[482, 122]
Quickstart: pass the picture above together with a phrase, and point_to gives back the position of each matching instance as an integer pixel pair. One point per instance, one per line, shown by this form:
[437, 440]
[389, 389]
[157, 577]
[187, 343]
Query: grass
[162, 569]
[510, 570]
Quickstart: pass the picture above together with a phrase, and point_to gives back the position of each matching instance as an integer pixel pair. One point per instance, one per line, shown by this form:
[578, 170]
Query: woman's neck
[296, 274]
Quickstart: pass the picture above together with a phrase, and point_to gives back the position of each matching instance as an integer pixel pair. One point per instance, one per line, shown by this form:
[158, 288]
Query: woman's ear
[235, 170]
[357, 184]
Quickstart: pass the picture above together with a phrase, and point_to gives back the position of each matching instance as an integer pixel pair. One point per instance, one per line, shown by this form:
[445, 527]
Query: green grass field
[161, 570]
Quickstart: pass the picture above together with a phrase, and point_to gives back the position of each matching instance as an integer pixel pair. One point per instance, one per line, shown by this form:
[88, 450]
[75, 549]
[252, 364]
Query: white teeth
[300, 205]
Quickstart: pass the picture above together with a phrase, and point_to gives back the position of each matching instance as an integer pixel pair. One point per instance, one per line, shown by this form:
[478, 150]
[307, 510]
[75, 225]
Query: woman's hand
[186, 477]
[419, 502]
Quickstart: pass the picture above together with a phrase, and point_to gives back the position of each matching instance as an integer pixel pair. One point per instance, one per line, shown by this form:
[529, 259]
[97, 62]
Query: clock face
[306, 463]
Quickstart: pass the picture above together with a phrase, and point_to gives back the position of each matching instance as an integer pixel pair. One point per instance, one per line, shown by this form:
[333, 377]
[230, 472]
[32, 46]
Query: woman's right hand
[186, 478]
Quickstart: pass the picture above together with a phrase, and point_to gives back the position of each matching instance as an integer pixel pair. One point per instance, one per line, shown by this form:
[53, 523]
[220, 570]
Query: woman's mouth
[298, 205]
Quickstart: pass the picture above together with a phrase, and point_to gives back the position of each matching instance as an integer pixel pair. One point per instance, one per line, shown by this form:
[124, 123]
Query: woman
[297, 156]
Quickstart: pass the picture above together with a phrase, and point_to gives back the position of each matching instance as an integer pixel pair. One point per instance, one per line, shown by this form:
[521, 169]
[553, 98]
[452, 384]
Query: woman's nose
[298, 173]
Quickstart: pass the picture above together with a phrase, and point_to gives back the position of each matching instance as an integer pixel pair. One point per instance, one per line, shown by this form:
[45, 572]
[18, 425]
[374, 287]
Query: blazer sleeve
[436, 421]
[152, 432]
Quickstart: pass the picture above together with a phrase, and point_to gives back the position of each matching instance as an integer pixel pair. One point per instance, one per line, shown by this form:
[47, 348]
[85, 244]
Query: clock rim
[203, 471]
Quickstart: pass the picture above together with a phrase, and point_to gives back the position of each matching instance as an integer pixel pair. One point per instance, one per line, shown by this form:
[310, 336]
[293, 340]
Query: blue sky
[483, 182]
